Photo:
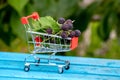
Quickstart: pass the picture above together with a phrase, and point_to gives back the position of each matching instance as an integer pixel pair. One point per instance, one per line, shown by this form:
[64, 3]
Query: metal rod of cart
[39, 42]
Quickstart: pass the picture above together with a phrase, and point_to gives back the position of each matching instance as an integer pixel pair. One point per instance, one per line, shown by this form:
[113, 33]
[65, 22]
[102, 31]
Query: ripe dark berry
[77, 33]
[49, 31]
[72, 34]
[61, 20]
[68, 21]
[65, 27]
[64, 35]
[70, 26]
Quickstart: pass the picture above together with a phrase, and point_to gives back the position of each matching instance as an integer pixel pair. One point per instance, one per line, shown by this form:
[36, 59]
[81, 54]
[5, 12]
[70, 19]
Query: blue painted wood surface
[12, 65]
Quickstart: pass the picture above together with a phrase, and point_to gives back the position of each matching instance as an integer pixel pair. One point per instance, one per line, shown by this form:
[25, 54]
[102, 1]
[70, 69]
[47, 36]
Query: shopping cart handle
[74, 43]
[34, 16]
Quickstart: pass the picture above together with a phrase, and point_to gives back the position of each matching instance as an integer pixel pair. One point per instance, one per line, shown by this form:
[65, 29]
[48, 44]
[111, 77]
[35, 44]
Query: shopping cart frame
[37, 46]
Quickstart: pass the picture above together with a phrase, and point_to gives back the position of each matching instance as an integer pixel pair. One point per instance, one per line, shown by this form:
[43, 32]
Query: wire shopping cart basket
[39, 42]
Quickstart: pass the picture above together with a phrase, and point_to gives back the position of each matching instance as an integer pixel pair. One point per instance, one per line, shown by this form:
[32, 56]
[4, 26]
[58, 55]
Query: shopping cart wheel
[60, 70]
[37, 61]
[67, 65]
[27, 68]
[67, 62]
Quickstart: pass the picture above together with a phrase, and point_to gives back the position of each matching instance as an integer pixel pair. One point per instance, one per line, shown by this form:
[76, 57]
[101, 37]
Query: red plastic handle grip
[34, 15]
[74, 43]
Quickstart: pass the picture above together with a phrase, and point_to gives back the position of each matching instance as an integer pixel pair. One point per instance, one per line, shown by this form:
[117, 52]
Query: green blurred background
[98, 20]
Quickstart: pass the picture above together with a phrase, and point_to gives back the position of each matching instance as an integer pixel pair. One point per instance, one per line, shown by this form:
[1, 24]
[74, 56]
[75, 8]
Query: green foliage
[94, 38]
[84, 17]
[108, 10]
[46, 22]
[98, 48]
[113, 49]
[16, 26]
[18, 5]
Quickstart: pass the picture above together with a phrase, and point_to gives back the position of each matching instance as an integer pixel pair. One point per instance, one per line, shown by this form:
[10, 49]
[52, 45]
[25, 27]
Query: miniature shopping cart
[39, 42]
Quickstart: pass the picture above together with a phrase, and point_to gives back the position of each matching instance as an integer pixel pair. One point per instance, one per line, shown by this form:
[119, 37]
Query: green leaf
[103, 30]
[55, 8]
[84, 17]
[3, 5]
[17, 27]
[112, 20]
[6, 33]
[118, 28]
[46, 22]
[106, 25]
[18, 5]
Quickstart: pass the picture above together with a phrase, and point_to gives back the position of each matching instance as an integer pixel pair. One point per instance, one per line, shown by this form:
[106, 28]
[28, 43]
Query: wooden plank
[47, 75]
[76, 69]
[74, 60]
[12, 64]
